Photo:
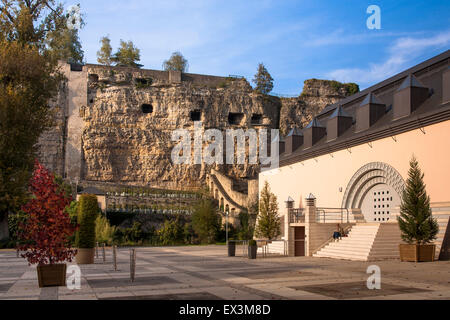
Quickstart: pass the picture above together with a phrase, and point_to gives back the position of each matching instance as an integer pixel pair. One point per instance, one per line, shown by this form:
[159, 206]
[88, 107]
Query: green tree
[104, 232]
[416, 222]
[176, 63]
[29, 79]
[263, 80]
[127, 55]
[206, 222]
[268, 224]
[246, 228]
[104, 54]
[171, 232]
[64, 41]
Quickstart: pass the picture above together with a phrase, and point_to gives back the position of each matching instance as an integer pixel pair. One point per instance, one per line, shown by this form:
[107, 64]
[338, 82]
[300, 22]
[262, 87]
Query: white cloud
[403, 51]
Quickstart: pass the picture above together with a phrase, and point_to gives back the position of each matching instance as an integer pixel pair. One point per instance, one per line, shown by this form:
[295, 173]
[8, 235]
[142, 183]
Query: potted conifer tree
[46, 232]
[417, 225]
[85, 237]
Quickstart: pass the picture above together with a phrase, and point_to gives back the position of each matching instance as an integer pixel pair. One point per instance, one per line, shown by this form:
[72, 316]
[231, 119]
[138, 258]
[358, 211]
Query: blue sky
[296, 40]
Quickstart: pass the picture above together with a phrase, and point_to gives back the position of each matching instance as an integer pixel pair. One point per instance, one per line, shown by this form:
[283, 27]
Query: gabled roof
[340, 112]
[430, 62]
[410, 81]
[315, 124]
[432, 110]
[295, 132]
[371, 99]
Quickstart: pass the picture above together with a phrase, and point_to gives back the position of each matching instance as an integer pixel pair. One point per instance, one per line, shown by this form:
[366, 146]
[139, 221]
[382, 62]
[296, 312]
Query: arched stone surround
[366, 178]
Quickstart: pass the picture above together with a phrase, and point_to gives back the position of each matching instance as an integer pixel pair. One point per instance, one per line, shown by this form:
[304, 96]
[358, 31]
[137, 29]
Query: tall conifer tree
[416, 222]
[268, 222]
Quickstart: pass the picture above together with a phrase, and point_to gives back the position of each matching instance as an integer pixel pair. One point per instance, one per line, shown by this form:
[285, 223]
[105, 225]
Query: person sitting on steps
[337, 235]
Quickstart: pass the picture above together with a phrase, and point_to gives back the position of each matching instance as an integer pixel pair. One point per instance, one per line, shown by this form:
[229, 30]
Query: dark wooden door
[299, 241]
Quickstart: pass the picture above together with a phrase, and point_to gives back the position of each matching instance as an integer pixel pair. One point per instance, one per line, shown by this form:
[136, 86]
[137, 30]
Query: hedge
[87, 214]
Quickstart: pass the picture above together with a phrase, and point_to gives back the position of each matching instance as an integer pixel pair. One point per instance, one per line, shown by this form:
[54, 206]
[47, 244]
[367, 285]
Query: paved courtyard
[206, 273]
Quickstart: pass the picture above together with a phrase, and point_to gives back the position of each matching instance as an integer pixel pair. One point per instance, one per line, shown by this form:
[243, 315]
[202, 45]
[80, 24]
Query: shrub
[87, 215]
[171, 232]
[205, 221]
[246, 228]
[14, 221]
[104, 232]
[47, 229]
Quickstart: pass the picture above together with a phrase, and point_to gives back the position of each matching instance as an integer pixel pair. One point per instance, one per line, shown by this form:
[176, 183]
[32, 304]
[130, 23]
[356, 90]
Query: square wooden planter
[417, 253]
[52, 275]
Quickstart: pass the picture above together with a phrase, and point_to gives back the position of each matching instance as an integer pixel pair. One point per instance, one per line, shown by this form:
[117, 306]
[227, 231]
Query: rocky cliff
[316, 95]
[118, 129]
[130, 117]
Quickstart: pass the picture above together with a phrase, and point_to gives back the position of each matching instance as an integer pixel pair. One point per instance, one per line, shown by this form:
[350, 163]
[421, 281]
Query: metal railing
[330, 215]
[242, 248]
[296, 215]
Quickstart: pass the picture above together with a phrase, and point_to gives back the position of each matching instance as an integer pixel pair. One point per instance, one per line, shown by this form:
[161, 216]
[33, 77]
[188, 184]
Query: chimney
[282, 147]
[294, 140]
[313, 133]
[281, 144]
[369, 112]
[339, 122]
[409, 96]
[446, 86]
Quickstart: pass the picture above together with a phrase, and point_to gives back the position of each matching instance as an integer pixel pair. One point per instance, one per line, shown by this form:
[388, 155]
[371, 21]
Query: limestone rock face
[316, 95]
[114, 125]
[128, 127]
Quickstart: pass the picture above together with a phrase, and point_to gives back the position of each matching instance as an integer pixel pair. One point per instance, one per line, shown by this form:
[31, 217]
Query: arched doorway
[376, 190]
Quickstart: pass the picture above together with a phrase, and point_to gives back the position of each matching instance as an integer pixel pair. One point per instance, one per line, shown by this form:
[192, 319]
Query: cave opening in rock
[196, 115]
[257, 118]
[147, 108]
[144, 81]
[235, 118]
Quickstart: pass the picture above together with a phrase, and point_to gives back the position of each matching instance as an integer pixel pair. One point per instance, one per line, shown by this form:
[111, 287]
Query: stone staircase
[443, 237]
[365, 242]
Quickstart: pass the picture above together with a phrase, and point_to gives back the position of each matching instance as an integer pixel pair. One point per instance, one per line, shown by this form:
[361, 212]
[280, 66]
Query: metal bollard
[103, 252]
[132, 264]
[115, 257]
[96, 250]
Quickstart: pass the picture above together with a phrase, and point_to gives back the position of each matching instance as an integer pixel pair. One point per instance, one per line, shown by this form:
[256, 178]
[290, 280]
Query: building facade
[353, 160]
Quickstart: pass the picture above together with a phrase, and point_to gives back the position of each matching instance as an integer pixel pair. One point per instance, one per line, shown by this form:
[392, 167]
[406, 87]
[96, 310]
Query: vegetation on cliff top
[263, 80]
[176, 63]
[349, 88]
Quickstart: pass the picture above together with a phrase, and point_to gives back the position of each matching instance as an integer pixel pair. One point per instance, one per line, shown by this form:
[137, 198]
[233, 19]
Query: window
[147, 108]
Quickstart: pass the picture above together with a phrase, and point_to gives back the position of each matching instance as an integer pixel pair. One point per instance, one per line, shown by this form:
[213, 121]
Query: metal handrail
[296, 215]
[341, 213]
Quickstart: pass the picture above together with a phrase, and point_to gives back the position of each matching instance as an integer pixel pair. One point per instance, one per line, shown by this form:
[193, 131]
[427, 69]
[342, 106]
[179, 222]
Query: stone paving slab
[205, 272]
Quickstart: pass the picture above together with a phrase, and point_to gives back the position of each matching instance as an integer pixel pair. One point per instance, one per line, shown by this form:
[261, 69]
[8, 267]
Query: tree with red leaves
[47, 229]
